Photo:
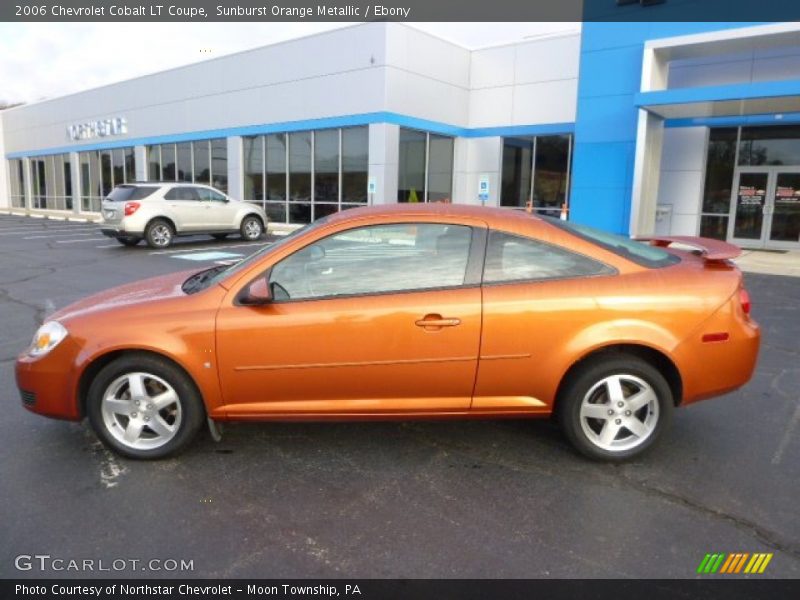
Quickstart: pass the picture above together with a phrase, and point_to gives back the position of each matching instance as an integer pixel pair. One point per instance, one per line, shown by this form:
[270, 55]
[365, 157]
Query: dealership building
[636, 128]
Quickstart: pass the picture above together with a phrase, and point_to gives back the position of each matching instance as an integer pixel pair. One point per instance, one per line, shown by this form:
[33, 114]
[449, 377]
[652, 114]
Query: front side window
[375, 260]
[212, 195]
[182, 193]
[515, 258]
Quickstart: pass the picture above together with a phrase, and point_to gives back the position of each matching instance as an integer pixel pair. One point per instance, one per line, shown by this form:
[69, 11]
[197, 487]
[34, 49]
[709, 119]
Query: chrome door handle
[436, 322]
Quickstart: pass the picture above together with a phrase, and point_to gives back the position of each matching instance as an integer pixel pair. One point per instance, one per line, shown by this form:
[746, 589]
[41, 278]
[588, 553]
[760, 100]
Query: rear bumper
[714, 368]
[118, 233]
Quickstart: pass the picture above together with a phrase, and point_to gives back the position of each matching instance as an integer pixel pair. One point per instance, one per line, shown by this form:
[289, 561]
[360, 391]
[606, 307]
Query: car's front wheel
[251, 228]
[159, 234]
[144, 407]
[615, 408]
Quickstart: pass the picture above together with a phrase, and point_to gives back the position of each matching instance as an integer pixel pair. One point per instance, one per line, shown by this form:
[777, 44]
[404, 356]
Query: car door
[185, 208]
[537, 297]
[220, 212]
[375, 319]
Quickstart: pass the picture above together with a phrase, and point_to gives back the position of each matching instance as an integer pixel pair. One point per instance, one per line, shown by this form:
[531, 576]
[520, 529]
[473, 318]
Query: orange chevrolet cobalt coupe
[401, 312]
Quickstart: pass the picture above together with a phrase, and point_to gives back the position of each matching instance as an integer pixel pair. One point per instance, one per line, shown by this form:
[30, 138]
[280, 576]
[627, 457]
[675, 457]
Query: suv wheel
[159, 234]
[615, 408]
[251, 228]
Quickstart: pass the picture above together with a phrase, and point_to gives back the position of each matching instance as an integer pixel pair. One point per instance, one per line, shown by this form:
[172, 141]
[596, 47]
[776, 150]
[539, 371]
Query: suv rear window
[639, 252]
[123, 193]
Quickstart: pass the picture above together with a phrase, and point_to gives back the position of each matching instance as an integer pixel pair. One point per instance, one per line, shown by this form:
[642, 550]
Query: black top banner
[402, 10]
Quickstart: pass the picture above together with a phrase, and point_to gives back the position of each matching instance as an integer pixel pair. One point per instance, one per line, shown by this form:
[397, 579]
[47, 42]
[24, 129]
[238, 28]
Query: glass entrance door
[765, 208]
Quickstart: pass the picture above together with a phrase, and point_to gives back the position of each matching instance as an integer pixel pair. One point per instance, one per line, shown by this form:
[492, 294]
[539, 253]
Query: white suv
[158, 211]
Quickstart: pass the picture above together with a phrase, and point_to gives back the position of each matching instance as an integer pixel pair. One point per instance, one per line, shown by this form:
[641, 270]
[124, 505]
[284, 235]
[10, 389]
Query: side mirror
[256, 294]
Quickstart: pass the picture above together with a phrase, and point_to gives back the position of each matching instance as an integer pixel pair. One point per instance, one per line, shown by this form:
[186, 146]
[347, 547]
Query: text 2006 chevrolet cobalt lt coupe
[403, 312]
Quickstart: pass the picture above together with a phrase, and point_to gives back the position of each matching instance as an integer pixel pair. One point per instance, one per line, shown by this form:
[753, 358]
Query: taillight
[131, 207]
[744, 300]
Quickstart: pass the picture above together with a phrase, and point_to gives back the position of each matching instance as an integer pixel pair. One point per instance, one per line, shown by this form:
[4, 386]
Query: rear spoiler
[710, 249]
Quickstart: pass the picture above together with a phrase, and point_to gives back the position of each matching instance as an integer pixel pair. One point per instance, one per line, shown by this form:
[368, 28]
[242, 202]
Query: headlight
[47, 338]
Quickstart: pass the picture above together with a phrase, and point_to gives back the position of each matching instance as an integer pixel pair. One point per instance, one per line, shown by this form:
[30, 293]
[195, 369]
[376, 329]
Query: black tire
[130, 242]
[159, 234]
[592, 382]
[187, 412]
[251, 228]
[219, 236]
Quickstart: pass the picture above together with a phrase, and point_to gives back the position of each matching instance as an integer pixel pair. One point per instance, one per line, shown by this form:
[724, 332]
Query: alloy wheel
[141, 411]
[619, 412]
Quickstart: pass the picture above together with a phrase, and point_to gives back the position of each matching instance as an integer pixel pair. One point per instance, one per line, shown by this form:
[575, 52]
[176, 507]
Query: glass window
[375, 260]
[219, 164]
[202, 162]
[355, 164]
[514, 258]
[17, 183]
[123, 193]
[276, 166]
[300, 176]
[515, 188]
[184, 161]
[210, 195]
[550, 177]
[770, 145]
[130, 164]
[118, 158]
[440, 169]
[326, 166]
[58, 179]
[184, 192]
[106, 176]
[154, 163]
[720, 161]
[536, 168]
[641, 253]
[411, 170]
[68, 178]
[253, 154]
[168, 172]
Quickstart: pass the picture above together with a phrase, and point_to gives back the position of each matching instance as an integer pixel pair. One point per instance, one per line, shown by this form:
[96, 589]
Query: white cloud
[44, 60]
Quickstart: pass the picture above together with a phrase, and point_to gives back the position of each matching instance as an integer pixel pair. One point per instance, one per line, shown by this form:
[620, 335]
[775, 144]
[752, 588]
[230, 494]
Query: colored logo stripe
[734, 562]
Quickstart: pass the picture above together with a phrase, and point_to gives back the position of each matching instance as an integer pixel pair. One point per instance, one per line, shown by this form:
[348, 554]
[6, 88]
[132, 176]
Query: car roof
[490, 214]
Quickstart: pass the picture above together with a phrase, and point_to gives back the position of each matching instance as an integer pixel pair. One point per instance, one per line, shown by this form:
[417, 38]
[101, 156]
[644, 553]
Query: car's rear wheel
[145, 407]
[251, 228]
[129, 241]
[615, 408]
[159, 234]
[219, 236]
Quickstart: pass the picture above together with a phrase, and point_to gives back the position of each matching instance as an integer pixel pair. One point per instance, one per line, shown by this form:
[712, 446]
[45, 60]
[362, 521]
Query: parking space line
[206, 248]
[45, 230]
[75, 241]
[40, 237]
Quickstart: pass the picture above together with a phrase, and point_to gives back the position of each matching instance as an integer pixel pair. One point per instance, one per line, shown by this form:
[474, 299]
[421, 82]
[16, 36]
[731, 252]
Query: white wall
[335, 73]
[5, 200]
[531, 82]
[744, 67]
[681, 183]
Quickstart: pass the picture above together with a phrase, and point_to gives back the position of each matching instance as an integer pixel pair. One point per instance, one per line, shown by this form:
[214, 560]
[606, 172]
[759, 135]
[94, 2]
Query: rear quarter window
[516, 258]
[124, 193]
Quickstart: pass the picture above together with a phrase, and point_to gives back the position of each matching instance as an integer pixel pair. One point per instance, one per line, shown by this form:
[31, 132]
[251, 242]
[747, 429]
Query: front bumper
[48, 384]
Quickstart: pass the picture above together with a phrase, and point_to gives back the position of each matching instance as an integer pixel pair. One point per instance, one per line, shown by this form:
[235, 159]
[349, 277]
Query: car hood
[143, 292]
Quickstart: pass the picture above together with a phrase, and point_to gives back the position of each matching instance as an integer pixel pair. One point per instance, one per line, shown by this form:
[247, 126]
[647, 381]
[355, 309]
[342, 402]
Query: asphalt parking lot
[414, 499]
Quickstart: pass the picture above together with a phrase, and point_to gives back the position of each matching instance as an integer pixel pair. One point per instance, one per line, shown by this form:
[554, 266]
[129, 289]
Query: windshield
[123, 193]
[639, 252]
[203, 279]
